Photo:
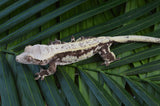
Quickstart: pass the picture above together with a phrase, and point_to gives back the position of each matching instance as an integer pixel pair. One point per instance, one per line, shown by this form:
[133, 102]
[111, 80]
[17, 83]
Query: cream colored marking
[69, 58]
[84, 56]
[73, 59]
[104, 51]
[113, 55]
[97, 48]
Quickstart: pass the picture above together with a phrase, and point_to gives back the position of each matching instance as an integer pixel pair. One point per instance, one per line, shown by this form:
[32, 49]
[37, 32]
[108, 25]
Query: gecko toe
[41, 75]
[102, 63]
[37, 73]
[42, 78]
[117, 59]
[106, 63]
[38, 77]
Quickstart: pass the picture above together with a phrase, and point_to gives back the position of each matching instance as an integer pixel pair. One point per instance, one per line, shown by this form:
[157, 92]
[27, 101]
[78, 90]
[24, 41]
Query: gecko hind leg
[107, 55]
[43, 73]
[55, 42]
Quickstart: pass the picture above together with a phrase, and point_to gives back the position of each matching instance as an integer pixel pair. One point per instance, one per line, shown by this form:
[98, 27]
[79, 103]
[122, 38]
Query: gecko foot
[117, 59]
[42, 74]
[106, 63]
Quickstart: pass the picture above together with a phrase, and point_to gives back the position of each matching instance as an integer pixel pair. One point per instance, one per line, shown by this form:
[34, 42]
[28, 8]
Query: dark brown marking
[29, 58]
[76, 53]
[52, 67]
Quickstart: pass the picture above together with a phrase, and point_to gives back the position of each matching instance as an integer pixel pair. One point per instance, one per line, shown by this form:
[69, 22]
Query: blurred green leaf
[153, 66]
[103, 97]
[49, 89]
[24, 15]
[70, 90]
[13, 7]
[142, 93]
[68, 23]
[40, 21]
[8, 92]
[28, 90]
[122, 94]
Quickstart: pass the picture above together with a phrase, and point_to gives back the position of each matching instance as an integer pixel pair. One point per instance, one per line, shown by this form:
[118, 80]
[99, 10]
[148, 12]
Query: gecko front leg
[107, 55]
[43, 73]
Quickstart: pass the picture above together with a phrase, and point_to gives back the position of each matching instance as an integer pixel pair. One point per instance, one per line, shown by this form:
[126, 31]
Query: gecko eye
[29, 58]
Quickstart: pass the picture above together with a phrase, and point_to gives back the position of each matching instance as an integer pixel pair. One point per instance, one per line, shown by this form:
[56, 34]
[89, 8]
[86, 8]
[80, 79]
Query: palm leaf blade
[34, 24]
[136, 26]
[11, 8]
[3, 2]
[70, 90]
[26, 85]
[118, 21]
[19, 18]
[102, 98]
[120, 92]
[56, 28]
[153, 66]
[8, 91]
[142, 93]
[49, 89]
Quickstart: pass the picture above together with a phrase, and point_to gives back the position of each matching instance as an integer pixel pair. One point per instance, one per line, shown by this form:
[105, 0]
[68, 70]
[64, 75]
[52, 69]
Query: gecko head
[25, 58]
[29, 56]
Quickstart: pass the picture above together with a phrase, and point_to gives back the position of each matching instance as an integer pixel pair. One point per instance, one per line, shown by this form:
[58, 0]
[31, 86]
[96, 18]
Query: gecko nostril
[16, 59]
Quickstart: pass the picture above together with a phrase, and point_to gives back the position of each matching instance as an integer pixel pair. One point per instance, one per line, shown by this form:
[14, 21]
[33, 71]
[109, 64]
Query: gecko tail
[134, 38]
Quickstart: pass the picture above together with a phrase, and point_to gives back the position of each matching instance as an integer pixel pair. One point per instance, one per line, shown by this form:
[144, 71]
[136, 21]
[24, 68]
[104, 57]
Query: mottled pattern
[58, 53]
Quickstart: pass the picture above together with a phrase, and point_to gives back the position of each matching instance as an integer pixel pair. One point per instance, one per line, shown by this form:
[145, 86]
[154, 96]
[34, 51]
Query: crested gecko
[58, 53]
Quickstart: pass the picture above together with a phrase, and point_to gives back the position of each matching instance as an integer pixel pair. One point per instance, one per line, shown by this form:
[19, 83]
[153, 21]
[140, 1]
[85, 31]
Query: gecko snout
[17, 59]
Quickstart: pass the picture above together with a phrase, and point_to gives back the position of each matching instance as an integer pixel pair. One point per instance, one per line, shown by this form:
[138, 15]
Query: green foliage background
[133, 80]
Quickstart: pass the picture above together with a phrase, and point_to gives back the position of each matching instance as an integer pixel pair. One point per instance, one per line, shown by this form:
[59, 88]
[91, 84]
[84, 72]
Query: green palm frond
[133, 80]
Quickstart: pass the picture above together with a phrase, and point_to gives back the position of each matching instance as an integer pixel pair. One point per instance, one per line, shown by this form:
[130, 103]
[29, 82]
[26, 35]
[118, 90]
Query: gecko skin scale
[58, 53]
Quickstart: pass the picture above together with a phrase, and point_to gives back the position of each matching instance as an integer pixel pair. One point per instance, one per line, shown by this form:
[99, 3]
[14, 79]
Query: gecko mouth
[42, 62]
